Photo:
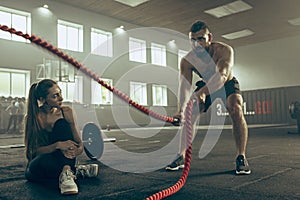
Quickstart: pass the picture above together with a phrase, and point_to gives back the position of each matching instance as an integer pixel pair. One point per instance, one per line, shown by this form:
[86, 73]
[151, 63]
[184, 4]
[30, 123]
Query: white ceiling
[268, 19]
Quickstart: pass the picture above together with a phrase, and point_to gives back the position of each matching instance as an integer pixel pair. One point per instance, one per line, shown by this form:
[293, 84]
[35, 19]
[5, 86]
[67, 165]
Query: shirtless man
[212, 62]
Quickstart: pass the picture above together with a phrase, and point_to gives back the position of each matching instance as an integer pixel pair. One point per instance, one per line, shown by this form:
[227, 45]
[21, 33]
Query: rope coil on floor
[180, 183]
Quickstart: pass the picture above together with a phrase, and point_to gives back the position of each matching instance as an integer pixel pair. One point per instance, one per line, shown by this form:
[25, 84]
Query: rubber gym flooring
[273, 154]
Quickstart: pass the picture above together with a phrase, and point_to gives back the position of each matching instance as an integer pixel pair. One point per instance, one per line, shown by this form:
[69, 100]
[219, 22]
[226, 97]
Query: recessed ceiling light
[229, 9]
[238, 34]
[132, 3]
[295, 22]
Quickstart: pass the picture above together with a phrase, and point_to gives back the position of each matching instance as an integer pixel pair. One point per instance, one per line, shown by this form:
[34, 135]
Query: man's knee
[235, 111]
[234, 106]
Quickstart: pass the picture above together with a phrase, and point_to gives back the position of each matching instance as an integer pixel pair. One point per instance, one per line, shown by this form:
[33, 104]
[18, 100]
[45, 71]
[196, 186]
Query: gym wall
[267, 72]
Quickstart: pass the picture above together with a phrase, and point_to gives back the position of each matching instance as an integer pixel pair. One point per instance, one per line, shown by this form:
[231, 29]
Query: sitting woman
[51, 138]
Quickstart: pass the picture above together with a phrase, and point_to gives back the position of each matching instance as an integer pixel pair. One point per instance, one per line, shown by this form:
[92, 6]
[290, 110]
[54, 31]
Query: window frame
[63, 41]
[164, 95]
[160, 59]
[142, 50]
[18, 13]
[77, 96]
[95, 85]
[108, 43]
[25, 85]
[142, 100]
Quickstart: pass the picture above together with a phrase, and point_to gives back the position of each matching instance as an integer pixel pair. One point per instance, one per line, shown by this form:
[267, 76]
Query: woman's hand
[66, 145]
[79, 149]
[69, 153]
[70, 149]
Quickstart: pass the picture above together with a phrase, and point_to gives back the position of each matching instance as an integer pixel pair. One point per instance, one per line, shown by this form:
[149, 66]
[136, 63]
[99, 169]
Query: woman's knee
[32, 177]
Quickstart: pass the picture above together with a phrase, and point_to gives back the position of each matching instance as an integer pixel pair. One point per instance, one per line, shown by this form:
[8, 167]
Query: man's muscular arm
[185, 84]
[224, 67]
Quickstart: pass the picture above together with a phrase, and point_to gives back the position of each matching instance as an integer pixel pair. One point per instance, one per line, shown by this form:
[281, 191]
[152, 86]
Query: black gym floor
[273, 154]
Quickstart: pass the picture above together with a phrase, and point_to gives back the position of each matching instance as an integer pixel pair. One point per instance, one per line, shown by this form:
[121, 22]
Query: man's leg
[239, 125]
[239, 130]
[15, 118]
[9, 123]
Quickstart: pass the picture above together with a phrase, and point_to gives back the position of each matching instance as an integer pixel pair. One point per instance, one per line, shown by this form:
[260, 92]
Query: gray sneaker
[242, 166]
[89, 170]
[67, 184]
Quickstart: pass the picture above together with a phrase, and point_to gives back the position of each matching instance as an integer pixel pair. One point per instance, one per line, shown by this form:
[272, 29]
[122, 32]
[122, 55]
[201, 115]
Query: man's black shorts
[230, 87]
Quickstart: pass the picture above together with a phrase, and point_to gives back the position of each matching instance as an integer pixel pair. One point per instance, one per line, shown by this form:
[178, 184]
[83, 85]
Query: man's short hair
[197, 26]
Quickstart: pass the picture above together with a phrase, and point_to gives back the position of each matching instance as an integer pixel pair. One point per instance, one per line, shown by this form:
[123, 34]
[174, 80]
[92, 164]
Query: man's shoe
[67, 184]
[242, 166]
[176, 164]
[89, 170]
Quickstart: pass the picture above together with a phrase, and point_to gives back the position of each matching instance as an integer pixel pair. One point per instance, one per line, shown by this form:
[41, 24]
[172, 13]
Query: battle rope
[164, 193]
[188, 156]
[85, 70]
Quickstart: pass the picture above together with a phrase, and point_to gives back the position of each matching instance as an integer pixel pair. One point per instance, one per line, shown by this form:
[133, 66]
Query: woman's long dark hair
[37, 91]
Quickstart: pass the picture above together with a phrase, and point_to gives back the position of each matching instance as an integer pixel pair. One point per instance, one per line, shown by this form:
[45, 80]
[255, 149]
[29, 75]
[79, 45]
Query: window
[158, 54]
[159, 94]
[101, 42]
[101, 95]
[57, 70]
[14, 83]
[72, 91]
[137, 50]
[181, 54]
[70, 36]
[138, 92]
[19, 20]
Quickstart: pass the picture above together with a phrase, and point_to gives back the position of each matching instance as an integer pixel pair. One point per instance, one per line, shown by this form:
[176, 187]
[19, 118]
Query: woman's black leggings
[49, 166]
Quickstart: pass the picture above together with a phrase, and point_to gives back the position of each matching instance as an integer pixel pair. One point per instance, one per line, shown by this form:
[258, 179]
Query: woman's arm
[61, 145]
[71, 118]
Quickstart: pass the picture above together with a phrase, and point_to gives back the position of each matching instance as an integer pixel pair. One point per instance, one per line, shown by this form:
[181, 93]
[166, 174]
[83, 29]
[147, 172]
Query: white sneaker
[89, 170]
[67, 184]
